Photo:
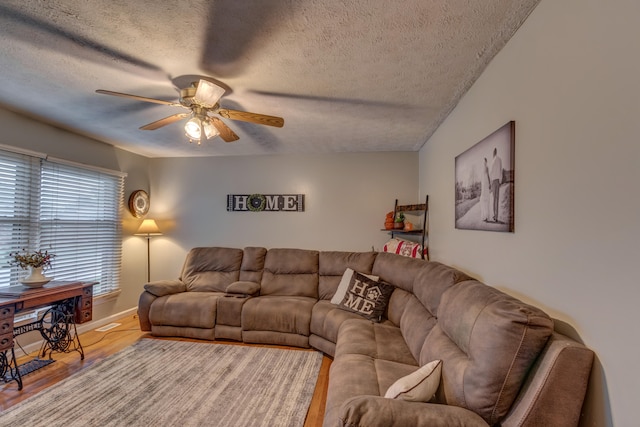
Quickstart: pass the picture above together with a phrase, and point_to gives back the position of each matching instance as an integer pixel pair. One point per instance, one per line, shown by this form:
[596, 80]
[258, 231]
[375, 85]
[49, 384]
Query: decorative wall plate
[139, 203]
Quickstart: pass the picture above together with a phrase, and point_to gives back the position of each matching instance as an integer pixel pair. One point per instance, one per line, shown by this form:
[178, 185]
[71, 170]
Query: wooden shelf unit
[418, 209]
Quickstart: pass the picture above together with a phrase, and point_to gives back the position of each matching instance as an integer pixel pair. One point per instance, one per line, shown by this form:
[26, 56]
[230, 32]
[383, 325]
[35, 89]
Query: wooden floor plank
[99, 345]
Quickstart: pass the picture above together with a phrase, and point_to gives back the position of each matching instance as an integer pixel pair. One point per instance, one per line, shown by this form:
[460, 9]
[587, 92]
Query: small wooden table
[71, 303]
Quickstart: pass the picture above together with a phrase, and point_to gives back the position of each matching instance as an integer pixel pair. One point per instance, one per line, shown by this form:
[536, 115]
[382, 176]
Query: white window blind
[72, 212]
[19, 182]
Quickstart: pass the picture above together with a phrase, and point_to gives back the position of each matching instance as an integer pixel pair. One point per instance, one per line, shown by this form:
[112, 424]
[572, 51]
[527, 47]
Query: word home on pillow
[366, 297]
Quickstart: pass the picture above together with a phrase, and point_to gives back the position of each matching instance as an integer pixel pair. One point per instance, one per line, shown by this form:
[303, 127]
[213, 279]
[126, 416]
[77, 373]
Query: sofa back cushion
[252, 264]
[488, 341]
[211, 269]
[432, 281]
[415, 321]
[398, 270]
[291, 272]
[332, 266]
[419, 287]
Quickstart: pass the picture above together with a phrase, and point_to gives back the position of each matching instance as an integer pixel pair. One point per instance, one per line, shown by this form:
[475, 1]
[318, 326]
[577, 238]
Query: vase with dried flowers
[35, 263]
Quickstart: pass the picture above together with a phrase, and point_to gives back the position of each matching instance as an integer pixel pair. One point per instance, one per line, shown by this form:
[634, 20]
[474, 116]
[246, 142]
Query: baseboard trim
[85, 327]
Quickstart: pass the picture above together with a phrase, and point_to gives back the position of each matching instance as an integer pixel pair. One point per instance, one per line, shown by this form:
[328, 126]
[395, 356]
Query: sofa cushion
[326, 319]
[398, 270]
[418, 386]
[288, 314]
[211, 269]
[415, 321]
[415, 312]
[292, 272]
[354, 375]
[488, 342]
[375, 340]
[189, 309]
[252, 264]
[366, 297]
[432, 281]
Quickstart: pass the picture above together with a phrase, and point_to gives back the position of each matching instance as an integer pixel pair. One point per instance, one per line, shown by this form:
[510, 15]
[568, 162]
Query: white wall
[22, 132]
[346, 196]
[569, 78]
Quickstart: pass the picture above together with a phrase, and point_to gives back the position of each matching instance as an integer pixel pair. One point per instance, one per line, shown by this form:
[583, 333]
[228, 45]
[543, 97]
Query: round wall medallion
[139, 203]
[256, 202]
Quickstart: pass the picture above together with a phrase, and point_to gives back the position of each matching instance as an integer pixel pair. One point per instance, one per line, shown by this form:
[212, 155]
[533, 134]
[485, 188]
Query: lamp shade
[148, 228]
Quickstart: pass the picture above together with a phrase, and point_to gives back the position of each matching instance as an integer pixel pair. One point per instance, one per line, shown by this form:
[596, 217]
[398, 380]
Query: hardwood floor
[99, 345]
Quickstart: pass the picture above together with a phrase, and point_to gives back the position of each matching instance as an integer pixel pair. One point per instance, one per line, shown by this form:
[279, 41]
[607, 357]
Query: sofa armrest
[243, 288]
[372, 411]
[144, 306]
[165, 287]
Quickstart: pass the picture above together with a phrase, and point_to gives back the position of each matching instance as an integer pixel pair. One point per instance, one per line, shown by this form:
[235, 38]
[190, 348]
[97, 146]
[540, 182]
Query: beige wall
[569, 78]
[346, 195]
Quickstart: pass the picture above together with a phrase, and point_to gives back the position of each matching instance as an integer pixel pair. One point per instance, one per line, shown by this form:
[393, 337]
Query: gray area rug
[178, 383]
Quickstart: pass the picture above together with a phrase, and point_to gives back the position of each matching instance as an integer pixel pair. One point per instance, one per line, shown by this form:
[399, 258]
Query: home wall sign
[265, 202]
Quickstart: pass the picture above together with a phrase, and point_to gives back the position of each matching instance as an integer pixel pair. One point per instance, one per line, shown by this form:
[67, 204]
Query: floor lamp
[148, 229]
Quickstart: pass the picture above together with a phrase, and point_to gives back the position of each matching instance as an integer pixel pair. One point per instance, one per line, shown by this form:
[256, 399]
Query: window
[69, 210]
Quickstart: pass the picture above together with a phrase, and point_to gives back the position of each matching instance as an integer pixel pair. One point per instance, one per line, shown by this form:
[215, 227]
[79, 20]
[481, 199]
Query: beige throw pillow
[419, 386]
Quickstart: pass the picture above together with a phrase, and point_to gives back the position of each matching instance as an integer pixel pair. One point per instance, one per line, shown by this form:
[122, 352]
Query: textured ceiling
[347, 76]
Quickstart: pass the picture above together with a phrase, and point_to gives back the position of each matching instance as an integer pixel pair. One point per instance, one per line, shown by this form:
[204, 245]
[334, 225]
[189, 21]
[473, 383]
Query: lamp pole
[148, 237]
[148, 229]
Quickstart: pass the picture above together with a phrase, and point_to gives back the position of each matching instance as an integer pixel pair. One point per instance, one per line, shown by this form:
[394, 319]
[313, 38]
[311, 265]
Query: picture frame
[485, 183]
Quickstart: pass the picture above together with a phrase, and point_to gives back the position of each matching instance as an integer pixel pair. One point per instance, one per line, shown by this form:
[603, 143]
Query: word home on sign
[265, 202]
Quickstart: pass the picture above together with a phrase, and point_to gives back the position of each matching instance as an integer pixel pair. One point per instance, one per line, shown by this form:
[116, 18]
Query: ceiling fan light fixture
[201, 98]
[196, 126]
[210, 131]
[207, 93]
[193, 129]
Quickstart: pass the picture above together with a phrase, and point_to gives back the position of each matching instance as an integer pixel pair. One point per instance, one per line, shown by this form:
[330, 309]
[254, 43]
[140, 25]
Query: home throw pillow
[344, 283]
[366, 297]
[419, 386]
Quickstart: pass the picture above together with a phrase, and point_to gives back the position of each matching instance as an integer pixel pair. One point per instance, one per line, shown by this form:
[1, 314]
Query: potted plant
[34, 262]
[399, 221]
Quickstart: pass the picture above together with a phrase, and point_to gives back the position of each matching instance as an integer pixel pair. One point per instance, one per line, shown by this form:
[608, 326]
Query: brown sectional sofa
[503, 364]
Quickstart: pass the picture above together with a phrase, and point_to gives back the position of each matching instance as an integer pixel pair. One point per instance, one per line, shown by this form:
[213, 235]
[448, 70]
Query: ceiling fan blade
[207, 93]
[245, 116]
[139, 98]
[166, 121]
[225, 131]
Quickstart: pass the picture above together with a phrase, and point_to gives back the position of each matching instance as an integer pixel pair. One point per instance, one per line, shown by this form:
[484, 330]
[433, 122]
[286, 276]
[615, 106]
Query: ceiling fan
[202, 99]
